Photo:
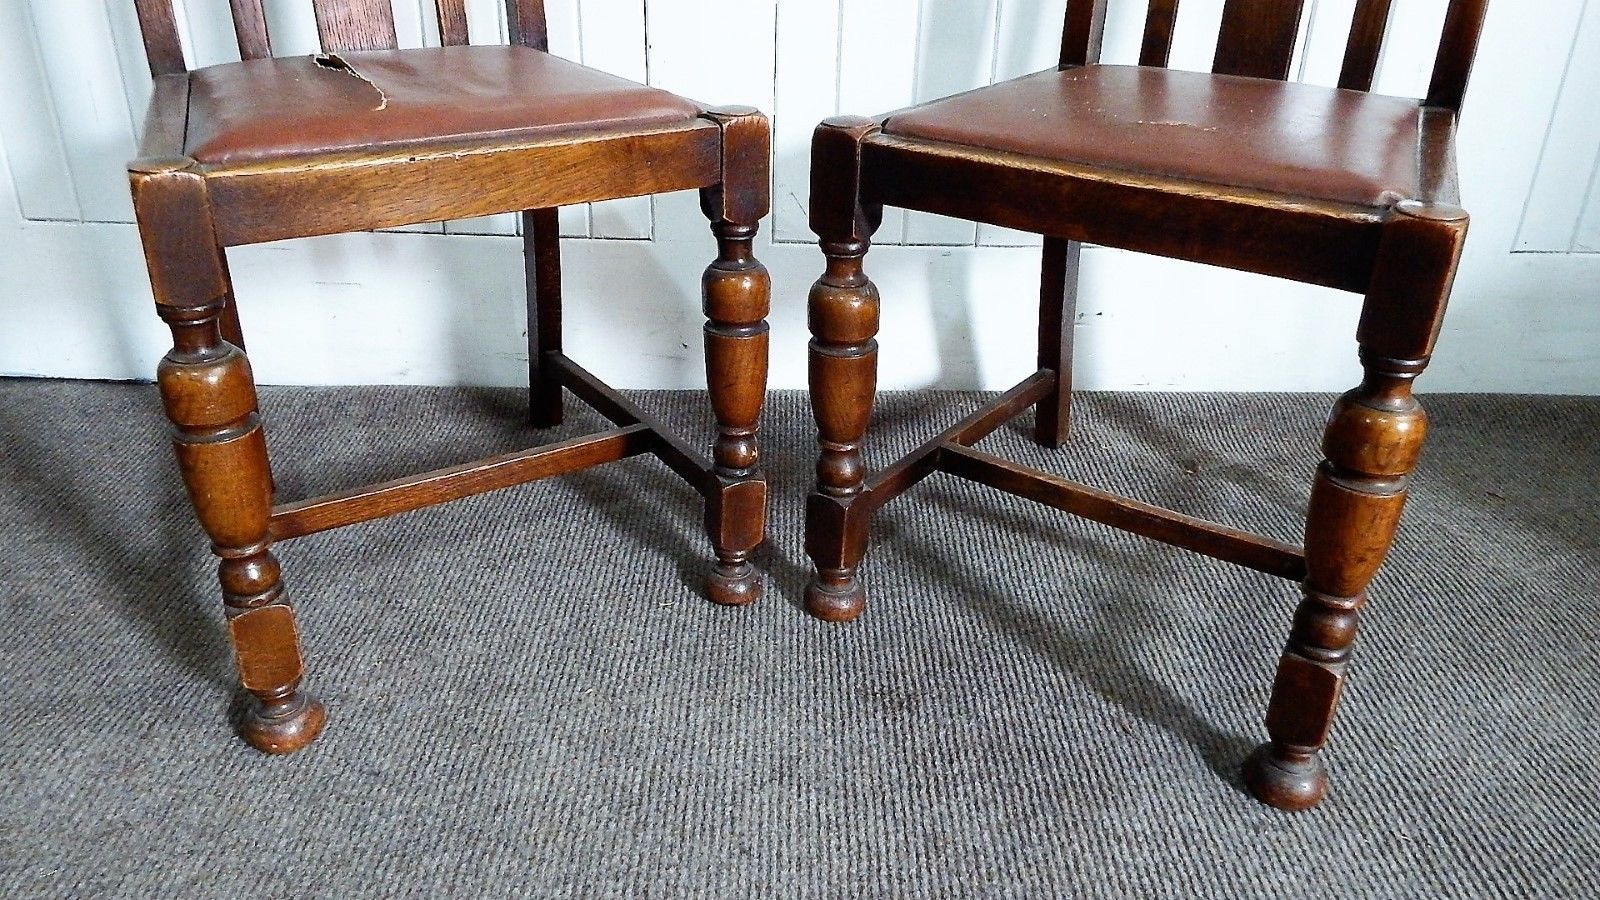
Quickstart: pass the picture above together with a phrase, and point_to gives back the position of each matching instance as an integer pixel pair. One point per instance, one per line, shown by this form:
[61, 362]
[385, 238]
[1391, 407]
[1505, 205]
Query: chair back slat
[250, 28]
[1080, 37]
[1463, 24]
[452, 22]
[159, 28]
[1159, 21]
[1365, 45]
[525, 18]
[1258, 37]
[355, 25]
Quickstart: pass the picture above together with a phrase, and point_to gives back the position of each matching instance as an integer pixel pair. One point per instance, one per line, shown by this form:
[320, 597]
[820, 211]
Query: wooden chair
[367, 136]
[1235, 168]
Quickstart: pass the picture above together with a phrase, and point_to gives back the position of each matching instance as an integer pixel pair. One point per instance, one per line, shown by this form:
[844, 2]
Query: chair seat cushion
[1287, 138]
[268, 109]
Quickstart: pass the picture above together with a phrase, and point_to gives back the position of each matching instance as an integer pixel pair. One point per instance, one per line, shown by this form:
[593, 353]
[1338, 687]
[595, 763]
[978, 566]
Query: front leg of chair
[843, 369]
[737, 292]
[737, 295]
[1372, 442]
[209, 394]
[843, 375]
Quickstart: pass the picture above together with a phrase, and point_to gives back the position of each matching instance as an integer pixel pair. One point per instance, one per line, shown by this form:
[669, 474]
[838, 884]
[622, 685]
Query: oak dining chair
[365, 135]
[1235, 167]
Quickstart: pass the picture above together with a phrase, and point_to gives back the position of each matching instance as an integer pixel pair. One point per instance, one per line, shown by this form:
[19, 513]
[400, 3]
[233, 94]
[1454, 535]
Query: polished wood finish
[737, 293]
[1452, 67]
[355, 24]
[376, 501]
[1399, 252]
[1159, 22]
[452, 18]
[527, 24]
[1188, 532]
[162, 47]
[190, 211]
[1083, 32]
[1257, 38]
[250, 29]
[1365, 45]
[843, 363]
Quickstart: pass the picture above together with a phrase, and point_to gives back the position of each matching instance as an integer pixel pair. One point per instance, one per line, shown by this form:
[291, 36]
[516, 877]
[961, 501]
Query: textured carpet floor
[528, 697]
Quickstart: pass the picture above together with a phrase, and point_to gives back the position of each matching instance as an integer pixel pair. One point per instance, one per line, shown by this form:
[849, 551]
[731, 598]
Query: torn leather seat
[273, 109]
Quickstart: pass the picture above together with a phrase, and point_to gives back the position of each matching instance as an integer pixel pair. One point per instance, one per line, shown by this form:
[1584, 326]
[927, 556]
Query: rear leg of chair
[541, 243]
[1058, 305]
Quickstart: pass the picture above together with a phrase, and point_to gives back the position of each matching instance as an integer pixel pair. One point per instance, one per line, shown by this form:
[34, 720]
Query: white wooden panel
[1194, 39]
[206, 28]
[292, 25]
[877, 71]
[1587, 237]
[85, 85]
[1563, 187]
[956, 43]
[614, 41]
[132, 68]
[35, 153]
[805, 93]
[716, 53]
[1406, 65]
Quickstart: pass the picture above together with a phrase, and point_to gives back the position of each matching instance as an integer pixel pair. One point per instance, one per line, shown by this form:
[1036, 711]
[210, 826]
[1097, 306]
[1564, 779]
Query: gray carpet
[527, 697]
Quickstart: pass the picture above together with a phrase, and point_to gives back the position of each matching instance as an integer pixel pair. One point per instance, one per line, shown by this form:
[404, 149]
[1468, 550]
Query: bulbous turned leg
[1371, 445]
[209, 395]
[737, 292]
[843, 376]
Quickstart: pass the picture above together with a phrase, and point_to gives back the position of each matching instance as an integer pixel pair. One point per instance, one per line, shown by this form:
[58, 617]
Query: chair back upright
[341, 25]
[1257, 39]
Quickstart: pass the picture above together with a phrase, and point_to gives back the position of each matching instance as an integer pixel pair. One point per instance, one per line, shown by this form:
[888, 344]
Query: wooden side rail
[693, 466]
[1199, 535]
[442, 485]
[924, 461]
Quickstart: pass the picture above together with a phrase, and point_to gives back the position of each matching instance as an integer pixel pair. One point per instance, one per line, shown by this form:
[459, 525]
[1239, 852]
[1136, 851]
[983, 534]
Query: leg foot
[734, 583]
[282, 726]
[1287, 781]
[835, 598]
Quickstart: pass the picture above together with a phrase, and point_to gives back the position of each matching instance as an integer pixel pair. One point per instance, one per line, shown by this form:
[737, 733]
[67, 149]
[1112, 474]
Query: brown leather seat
[267, 109]
[1295, 139]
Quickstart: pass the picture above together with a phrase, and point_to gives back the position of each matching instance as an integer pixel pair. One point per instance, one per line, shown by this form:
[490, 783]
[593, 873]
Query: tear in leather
[338, 63]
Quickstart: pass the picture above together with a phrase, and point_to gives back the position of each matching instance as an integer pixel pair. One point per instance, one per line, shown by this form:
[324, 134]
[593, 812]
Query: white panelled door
[441, 303]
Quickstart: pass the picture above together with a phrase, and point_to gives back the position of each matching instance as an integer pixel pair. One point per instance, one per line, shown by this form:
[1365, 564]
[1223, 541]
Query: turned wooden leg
[1372, 442]
[737, 293]
[209, 395]
[1371, 445]
[1058, 305]
[843, 375]
[541, 250]
[843, 368]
